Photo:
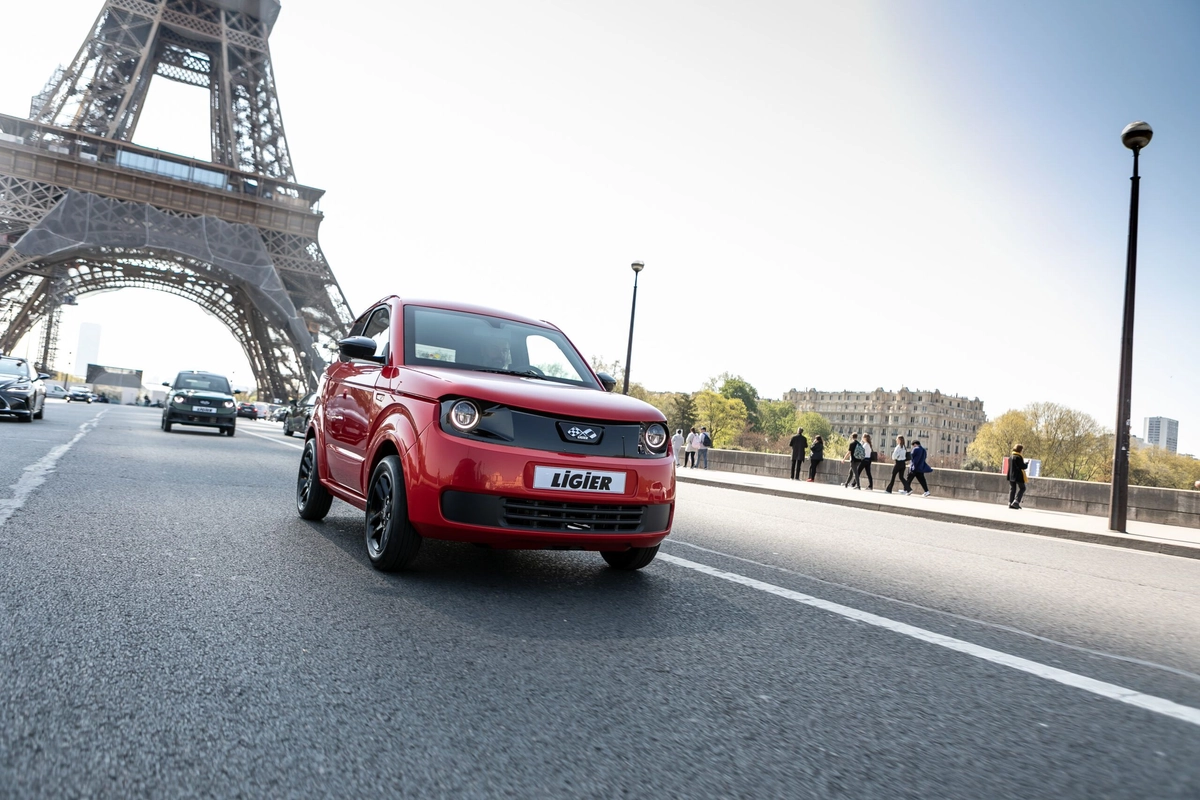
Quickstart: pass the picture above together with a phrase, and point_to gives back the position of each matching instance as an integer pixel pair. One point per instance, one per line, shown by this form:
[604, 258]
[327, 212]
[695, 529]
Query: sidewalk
[1165, 539]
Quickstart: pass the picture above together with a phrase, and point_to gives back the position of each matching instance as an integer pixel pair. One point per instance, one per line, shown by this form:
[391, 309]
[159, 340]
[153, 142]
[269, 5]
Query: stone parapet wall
[1162, 506]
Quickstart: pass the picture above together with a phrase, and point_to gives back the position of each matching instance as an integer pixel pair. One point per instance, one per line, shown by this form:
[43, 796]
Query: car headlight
[179, 399]
[20, 386]
[229, 404]
[464, 415]
[656, 436]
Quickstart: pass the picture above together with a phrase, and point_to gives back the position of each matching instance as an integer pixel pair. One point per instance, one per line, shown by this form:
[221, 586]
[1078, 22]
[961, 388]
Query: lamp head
[1136, 135]
[638, 266]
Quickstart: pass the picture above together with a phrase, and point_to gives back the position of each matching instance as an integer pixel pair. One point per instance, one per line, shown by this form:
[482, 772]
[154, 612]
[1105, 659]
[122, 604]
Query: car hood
[533, 394]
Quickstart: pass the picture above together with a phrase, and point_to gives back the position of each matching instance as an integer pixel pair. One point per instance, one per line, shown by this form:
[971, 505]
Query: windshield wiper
[528, 373]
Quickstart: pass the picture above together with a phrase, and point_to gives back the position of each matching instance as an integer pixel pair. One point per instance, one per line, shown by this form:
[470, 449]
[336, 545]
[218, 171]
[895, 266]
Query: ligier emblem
[580, 432]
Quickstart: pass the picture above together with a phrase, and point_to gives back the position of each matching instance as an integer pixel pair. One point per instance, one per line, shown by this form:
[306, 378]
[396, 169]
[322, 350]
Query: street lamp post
[1135, 136]
[637, 266]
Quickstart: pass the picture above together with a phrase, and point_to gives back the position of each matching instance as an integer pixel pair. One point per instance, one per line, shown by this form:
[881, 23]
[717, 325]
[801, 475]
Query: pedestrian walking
[798, 444]
[865, 464]
[817, 456]
[918, 468]
[689, 455]
[677, 446]
[702, 447]
[900, 463]
[1016, 476]
[854, 452]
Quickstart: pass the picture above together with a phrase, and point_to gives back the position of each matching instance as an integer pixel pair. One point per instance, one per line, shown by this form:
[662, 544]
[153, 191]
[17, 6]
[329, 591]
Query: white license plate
[573, 479]
[204, 409]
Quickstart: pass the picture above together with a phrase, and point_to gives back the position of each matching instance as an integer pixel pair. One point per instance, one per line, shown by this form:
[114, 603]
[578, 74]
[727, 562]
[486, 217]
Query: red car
[447, 421]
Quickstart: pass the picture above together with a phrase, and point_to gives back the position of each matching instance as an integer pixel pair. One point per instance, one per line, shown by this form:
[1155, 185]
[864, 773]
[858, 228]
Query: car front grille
[545, 515]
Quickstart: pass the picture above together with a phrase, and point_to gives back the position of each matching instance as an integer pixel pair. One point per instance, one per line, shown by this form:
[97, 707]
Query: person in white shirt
[689, 453]
[677, 446]
[900, 457]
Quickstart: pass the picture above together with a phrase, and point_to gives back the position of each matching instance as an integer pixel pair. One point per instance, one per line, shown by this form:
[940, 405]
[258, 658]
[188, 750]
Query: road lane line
[276, 441]
[36, 473]
[941, 612]
[1111, 691]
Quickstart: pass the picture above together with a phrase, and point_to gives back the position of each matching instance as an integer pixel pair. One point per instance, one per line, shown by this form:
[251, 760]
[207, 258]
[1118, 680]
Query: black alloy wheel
[312, 498]
[392, 543]
[631, 559]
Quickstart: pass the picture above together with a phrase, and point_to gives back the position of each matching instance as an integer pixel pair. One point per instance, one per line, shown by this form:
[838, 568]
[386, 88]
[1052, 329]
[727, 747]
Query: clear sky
[831, 195]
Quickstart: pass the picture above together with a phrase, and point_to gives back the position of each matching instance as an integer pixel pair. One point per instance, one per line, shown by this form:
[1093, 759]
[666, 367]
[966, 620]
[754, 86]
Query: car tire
[166, 425]
[631, 559]
[286, 430]
[230, 430]
[41, 411]
[312, 498]
[392, 542]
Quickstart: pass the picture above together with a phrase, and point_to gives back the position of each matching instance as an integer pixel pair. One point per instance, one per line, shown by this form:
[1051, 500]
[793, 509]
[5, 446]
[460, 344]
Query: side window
[379, 328]
[549, 359]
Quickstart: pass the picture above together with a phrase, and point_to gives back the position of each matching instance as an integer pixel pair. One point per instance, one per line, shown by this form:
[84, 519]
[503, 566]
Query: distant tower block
[82, 209]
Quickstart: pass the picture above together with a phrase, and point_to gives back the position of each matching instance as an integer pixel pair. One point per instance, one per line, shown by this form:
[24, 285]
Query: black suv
[200, 398]
[22, 392]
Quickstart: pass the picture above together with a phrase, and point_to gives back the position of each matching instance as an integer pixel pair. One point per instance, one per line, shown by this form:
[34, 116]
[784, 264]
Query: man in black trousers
[799, 445]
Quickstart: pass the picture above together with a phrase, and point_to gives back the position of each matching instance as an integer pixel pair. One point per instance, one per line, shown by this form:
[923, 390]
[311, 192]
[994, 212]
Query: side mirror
[607, 381]
[43, 376]
[166, 384]
[360, 347]
[237, 391]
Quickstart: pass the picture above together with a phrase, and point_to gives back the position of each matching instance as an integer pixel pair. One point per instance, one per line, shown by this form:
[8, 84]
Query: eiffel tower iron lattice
[83, 209]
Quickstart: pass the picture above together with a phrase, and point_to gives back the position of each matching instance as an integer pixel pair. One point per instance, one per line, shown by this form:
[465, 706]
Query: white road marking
[1111, 691]
[275, 440]
[36, 473]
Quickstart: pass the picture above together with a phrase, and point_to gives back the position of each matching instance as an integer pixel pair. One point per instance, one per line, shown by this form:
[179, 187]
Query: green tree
[683, 412]
[777, 420]
[1157, 466]
[725, 417]
[995, 439]
[737, 387]
[1069, 443]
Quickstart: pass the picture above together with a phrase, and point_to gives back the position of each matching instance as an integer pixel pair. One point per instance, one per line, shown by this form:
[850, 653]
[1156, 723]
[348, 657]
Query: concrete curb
[1129, 543]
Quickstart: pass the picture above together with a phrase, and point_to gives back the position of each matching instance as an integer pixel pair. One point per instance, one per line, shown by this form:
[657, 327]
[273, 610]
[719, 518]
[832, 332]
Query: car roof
[469, 308]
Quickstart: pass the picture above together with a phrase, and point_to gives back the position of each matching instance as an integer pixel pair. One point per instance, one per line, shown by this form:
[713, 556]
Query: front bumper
[482, 492]
[16, 402]
[218, 419]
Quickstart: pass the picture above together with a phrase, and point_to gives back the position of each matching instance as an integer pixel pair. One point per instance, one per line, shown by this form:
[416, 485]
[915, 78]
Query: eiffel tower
[83, 209]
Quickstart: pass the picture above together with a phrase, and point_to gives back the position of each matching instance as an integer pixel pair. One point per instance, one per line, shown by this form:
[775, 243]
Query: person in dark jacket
[1016, 476]
[917, 468]
[855, 454]
[798, 444]
[818, 455]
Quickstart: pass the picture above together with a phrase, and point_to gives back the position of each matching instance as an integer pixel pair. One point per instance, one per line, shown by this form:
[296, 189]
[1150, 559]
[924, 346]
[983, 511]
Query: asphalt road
[170, 628]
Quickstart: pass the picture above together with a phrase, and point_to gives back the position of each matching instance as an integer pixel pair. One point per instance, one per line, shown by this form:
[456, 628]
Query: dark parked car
[22, 389]
[297, 414]
[80, 394]
[455, 422]
[247, 410]
[200, 398]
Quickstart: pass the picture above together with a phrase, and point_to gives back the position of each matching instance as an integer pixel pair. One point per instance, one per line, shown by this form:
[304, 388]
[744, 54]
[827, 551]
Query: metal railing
[124, 155]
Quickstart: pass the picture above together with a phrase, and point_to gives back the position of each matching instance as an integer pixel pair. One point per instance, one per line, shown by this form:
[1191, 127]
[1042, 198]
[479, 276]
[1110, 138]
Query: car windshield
[435, 337]
[203, 383]
[13, 366]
